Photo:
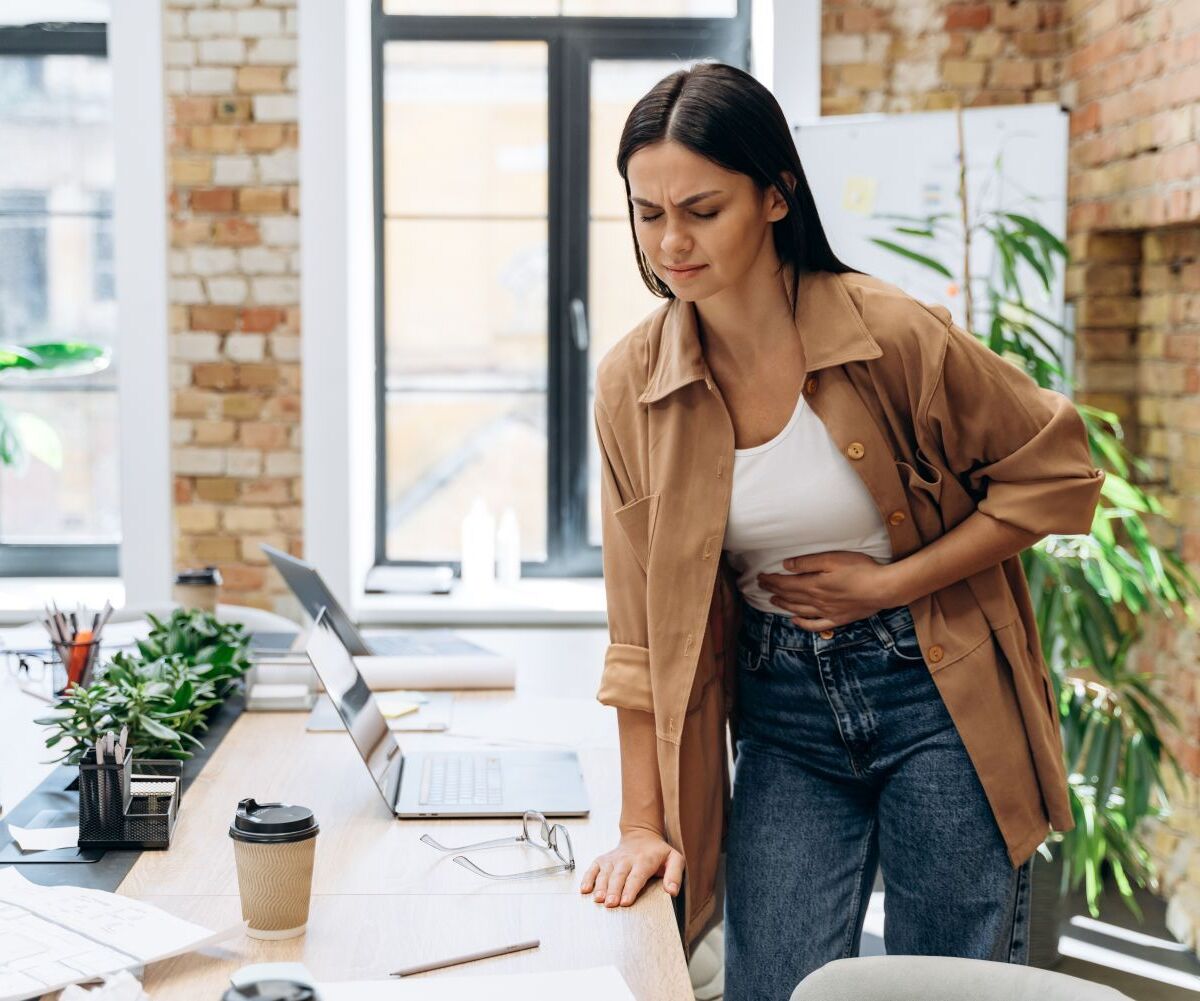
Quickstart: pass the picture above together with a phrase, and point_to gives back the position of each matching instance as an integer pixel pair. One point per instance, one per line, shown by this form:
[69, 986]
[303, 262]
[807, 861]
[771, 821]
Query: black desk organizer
[127, 806]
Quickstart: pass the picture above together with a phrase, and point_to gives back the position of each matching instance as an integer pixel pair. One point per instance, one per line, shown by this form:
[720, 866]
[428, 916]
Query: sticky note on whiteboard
[858, 196]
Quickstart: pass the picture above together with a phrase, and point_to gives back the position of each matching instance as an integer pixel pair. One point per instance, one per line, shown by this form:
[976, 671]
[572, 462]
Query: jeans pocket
[748, 658]
[905, 644]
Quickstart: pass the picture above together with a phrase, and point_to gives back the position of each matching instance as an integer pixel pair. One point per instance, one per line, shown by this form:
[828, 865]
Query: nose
[675, 241]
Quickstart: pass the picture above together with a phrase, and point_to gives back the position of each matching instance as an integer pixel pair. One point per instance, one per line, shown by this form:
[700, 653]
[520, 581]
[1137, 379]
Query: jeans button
[826, 634]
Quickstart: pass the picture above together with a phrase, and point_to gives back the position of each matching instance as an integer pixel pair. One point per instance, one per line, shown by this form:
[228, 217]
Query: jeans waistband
[767, 629]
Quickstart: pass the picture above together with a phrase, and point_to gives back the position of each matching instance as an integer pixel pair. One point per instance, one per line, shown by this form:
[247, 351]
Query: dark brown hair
[724, 114]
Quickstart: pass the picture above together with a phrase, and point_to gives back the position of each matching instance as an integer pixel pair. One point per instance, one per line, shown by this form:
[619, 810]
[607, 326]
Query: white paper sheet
[40, 839]
[52, 936]
[598, 983]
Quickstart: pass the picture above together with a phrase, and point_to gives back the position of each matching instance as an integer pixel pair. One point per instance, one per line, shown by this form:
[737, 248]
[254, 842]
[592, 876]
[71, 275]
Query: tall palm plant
[1091, 593]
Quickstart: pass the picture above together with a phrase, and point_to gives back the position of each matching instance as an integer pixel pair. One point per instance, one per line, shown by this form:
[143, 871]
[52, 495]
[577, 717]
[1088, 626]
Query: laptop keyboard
[460, 780]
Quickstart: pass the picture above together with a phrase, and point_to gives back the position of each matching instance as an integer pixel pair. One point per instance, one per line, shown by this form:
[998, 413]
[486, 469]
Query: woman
[815, 490]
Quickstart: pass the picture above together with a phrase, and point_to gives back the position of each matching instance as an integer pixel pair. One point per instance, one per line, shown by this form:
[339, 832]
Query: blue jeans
[847, 759]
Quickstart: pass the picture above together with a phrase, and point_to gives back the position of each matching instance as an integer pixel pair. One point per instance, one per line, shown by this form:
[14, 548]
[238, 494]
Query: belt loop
[764, 647]
[881, 630]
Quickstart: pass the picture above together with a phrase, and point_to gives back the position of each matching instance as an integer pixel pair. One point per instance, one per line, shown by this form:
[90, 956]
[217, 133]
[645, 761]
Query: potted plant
[1090, 593]
[164, 693]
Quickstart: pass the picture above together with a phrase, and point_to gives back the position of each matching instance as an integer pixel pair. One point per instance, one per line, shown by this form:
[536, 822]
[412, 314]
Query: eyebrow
[687, 201]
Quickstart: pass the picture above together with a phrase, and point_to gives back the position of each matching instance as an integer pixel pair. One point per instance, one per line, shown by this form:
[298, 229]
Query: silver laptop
[314, 594]
[492, 783]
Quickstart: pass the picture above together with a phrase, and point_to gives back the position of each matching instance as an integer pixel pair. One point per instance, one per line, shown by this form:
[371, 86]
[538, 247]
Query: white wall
[135, 48]
[337, 297]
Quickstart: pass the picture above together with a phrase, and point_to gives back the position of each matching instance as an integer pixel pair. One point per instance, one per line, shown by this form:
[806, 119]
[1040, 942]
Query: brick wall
[234, 289]
[892, 56]
[1134, 76]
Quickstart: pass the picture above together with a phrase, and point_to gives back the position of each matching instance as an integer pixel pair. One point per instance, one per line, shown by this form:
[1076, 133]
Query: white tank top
[793, 495]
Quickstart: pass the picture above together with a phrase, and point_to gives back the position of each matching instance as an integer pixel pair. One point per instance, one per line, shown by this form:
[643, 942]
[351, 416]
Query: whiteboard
[863, 166]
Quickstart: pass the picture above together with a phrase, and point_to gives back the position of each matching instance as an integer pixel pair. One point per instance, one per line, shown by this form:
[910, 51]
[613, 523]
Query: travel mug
[273, 846]
[198, 588]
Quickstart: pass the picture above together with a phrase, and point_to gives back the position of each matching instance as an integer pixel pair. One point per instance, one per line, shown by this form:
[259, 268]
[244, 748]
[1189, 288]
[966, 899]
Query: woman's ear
[777, 206]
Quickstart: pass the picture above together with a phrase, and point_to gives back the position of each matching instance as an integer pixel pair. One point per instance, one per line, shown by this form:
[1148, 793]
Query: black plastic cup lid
[272, 823]
[207, 575]
[270, 990]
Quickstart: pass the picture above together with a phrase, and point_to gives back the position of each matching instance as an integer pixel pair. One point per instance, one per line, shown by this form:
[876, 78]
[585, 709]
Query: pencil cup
[103, 797]
[77, 661]
[273, 846]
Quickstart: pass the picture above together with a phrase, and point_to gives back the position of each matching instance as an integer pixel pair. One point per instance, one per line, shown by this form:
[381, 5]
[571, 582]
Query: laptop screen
[356, 706]
[314, 594]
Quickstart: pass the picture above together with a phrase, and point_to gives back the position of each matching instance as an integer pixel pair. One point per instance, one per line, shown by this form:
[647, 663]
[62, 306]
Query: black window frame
[57, 38]
[572, 42]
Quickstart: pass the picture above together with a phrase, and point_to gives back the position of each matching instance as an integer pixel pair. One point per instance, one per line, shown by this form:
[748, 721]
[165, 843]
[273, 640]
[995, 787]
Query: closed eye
[698, 215]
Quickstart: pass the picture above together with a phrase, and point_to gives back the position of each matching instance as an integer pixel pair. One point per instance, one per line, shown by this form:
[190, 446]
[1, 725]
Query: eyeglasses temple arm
[468, 864]
[495, 843]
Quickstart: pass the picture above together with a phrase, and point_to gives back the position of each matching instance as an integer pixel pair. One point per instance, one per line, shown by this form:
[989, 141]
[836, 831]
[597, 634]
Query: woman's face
[699, 245]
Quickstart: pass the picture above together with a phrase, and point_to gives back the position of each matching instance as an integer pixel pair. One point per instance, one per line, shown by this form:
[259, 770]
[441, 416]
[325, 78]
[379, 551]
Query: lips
[683, 269]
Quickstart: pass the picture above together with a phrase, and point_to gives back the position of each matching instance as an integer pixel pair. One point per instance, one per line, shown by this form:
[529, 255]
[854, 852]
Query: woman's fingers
[616, 883]
[673, 877]
[634, 882]
[796, 605]
[602, 881]
[589, 877]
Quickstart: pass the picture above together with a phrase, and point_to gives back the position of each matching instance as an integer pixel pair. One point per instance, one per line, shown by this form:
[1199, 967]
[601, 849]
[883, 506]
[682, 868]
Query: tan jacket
[938, 426]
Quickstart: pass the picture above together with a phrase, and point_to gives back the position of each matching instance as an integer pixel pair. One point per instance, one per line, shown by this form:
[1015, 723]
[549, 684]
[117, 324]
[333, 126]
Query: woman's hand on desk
[617, 877]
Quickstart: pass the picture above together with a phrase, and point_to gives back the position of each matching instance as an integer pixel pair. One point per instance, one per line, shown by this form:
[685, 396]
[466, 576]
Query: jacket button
[855, 450]
[935, 653]
[896, 517]
[826, 634]
[810, 386]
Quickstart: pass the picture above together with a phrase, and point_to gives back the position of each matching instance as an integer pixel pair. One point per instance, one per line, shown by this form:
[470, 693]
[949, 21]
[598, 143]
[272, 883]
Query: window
[59, 501]
[504, 259]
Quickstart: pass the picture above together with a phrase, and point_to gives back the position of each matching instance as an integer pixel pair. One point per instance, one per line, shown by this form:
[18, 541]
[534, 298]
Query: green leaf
[1036, 228]
[913, 255]
[156, 729]
[61, 358]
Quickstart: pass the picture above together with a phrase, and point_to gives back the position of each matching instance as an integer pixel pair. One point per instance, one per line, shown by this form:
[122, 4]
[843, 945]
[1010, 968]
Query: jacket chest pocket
[636, 520]
[923, 485]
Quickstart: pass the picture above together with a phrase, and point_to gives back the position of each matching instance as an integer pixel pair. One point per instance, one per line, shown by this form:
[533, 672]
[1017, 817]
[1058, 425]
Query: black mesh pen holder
[128, 806]
[153, 803]
[103, 798]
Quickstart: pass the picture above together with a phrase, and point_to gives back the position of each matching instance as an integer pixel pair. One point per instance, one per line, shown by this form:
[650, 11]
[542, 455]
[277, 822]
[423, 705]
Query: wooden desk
[381, 898]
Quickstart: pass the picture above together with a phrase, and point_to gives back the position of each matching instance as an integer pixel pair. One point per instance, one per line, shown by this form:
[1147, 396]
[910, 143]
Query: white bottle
[508, 548]
[478, 546]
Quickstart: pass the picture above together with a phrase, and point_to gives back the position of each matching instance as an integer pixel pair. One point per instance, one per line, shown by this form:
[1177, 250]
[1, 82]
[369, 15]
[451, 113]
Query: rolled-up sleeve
[1019, 448]
[625, 681]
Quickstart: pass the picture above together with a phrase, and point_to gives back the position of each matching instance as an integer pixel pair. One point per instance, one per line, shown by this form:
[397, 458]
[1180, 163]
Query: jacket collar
[827, 322]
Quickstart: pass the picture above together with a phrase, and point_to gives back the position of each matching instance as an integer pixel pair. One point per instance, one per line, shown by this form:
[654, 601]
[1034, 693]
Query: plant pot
[1045, 910]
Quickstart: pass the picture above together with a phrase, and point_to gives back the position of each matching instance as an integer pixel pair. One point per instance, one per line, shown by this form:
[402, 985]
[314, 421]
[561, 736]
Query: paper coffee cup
[273, 846]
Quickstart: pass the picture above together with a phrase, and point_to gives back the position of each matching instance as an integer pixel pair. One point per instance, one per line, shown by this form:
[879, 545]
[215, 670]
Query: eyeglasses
[537, 831]
[34, 672]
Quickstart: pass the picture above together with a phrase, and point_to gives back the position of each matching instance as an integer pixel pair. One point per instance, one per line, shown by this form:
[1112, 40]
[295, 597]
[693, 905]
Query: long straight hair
[724, 114]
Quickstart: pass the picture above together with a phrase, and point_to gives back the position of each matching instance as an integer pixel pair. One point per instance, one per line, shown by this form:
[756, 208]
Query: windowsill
[23, 599]
[532, 601]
